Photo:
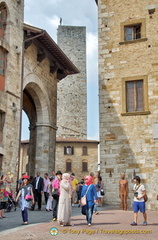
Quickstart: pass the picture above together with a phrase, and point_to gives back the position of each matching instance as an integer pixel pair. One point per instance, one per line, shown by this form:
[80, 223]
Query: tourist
[49, 202]
[64, 208]
[26, 190]
[56, 193]
[89, 190]
[123, 192]
[45, 188]
[38, 184]
[99, 187]
[74, 183]
[4, 193]
[139, 203]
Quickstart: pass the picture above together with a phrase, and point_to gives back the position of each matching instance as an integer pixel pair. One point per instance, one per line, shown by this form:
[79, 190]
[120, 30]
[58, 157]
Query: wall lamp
[14, 108]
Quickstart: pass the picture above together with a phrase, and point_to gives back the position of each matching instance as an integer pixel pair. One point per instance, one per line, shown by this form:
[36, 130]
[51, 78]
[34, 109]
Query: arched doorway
[36, 105]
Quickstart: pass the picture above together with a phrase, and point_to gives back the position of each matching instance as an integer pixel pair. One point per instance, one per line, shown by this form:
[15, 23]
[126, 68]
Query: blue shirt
[91, 195]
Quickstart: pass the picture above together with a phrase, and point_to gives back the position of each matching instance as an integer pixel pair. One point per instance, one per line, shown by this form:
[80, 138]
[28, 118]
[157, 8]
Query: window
[2, 119]
[84, 166]
[84, 151]
[135, 95]
[68, 166]
[2, 68]
[68, 150]
[1, 160]
[132, 32]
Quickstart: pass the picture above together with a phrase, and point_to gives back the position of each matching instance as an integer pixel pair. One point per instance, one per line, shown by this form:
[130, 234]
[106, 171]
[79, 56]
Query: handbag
[83, 199]
[55, 193]
[102, 192]
[28, 197]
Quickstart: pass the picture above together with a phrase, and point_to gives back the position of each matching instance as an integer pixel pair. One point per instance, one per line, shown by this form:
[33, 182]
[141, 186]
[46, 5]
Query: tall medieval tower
[72, 92]
[11, 41]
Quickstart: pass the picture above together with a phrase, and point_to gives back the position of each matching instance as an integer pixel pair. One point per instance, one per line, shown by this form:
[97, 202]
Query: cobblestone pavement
[111, 224]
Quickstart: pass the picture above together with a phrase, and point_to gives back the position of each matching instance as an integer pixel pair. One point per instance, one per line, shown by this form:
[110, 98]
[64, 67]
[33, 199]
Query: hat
[25, 177]
[58, 173]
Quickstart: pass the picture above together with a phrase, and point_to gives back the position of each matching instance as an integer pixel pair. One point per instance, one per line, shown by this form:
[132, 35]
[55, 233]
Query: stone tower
[128, 95]
[11, 39]
[72, 92]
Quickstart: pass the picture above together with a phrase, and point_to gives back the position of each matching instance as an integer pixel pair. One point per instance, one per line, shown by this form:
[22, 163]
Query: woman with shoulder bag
[26, 196]
[89, 191]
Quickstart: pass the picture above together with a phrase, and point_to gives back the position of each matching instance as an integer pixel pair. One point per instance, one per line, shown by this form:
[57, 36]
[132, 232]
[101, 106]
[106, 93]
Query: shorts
[139, 206]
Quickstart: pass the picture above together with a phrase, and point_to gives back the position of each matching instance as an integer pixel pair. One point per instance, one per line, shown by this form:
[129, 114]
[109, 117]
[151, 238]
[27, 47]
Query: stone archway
[36, 104]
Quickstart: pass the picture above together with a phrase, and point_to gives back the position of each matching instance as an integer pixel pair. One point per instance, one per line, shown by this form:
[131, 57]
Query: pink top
[56, 185]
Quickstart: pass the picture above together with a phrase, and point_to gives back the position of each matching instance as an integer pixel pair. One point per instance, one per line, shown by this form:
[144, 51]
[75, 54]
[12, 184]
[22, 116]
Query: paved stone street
[108, 219]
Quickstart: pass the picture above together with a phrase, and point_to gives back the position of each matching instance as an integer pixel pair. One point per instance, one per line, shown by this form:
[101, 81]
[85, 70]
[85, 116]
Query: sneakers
[96, 213]
[89, 224]
[133, 224]
[54, 219]
[144, 223]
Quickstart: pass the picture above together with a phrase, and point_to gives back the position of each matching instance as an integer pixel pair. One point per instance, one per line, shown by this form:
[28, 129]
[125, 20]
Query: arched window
[68, 166]
[3, 19]
[68, 150]
[84, 166]
[84, 151]
[2, 68]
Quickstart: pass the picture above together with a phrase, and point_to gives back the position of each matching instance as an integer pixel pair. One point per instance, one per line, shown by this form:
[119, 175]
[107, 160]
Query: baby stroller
[11, 203]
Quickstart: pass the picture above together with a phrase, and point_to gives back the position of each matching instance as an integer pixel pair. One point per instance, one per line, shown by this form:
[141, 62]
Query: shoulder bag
[83, 199]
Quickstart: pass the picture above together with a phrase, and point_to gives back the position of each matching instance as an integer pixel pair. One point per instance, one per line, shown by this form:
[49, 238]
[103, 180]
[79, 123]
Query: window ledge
[133, 41]
[135, 113]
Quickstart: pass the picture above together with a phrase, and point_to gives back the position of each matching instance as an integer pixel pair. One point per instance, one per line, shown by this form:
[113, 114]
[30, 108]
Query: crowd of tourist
[62, 191]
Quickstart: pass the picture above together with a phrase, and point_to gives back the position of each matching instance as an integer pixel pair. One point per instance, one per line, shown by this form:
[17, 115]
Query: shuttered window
[84, 151]
[84, 166]
[2, 68]
[68, 166]
[68, 150]
[134, 96]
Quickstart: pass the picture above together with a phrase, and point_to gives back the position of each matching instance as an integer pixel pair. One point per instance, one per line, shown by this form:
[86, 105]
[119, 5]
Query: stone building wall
[129, 141]
[78, 157]
[10, 98]
[41, 87]
[72, 92]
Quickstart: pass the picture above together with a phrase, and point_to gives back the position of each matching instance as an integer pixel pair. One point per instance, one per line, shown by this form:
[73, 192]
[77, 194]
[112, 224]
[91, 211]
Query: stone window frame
[84, 167]
[142, 22]
[145, 95]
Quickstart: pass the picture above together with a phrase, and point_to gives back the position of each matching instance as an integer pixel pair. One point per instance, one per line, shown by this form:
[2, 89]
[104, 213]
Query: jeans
[25, 215]
[89, 213]
[55, 205]
[95, 207]
[46, 195]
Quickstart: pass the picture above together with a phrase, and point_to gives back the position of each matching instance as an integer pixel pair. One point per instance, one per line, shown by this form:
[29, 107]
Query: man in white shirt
[139, 203]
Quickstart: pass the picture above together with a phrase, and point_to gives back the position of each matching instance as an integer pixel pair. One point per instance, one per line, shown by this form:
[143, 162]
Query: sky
[46, 15]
